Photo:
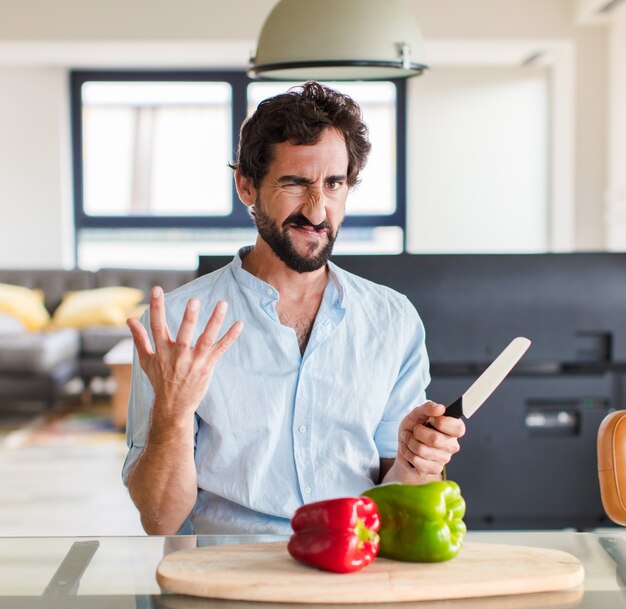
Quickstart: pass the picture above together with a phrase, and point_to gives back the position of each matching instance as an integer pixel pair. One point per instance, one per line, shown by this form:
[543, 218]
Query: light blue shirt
[278, 429]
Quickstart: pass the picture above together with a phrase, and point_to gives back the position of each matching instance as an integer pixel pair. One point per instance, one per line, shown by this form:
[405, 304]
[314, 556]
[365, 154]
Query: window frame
[238, 217]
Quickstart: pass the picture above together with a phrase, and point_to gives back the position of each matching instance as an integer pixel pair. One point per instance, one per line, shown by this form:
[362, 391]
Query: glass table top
[119, 572]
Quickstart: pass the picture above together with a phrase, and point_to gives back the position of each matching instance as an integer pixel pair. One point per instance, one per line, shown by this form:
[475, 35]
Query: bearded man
[317, 389]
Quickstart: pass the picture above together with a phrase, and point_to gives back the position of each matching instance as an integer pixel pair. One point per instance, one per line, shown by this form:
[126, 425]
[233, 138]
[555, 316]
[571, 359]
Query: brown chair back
[612, 465]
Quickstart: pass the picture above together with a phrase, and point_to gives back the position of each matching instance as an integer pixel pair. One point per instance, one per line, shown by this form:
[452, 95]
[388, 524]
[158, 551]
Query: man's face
[301, 202]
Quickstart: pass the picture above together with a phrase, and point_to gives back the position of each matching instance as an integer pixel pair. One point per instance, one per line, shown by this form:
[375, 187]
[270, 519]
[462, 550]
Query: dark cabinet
[529, 457]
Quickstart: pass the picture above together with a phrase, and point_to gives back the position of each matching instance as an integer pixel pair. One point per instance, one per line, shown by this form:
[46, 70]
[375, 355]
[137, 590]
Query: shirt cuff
[131, 459]
[386, 439]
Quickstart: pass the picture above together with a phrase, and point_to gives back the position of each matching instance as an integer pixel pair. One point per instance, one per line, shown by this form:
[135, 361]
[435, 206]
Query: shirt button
[307, 490]
[269, 292]
[302, 428]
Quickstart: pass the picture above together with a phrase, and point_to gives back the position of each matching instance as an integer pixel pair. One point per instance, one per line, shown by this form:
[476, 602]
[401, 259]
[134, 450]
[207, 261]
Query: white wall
[132, 19]
[616, 181]
[478, 178]
[36, 53]
[591, 139]
[35, 195]
[242, 19]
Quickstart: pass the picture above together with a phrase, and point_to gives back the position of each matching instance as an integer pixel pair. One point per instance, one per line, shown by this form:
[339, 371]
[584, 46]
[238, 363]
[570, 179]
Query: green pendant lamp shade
[339, 40]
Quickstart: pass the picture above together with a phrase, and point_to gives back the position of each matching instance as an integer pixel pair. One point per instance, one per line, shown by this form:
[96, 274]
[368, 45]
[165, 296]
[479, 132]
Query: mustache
[300, 220]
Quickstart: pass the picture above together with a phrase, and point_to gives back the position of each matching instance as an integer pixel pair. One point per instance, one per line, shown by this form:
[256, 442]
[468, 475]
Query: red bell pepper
[336, 535]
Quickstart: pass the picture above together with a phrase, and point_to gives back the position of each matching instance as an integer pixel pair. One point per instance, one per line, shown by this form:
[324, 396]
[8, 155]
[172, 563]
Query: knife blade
[486, 383]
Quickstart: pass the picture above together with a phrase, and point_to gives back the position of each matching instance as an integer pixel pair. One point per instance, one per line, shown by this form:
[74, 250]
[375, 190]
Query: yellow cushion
[98, 307]
[25, 304]
[137, 311]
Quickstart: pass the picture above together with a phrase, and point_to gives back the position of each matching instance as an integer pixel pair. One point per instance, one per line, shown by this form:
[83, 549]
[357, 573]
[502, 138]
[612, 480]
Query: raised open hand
[180, 373]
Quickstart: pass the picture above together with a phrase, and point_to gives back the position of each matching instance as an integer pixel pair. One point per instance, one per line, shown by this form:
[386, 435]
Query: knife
[486, 383]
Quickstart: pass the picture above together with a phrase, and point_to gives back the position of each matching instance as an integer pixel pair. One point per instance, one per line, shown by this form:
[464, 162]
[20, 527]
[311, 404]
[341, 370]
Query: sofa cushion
[38, 352]
[52, 282]
[145, 279]
[101, 306]
[10, 326]
[97, 340]
[24, 304]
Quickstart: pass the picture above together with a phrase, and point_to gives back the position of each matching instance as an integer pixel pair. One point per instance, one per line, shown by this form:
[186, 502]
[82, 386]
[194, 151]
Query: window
[156, 148]
[151, 153]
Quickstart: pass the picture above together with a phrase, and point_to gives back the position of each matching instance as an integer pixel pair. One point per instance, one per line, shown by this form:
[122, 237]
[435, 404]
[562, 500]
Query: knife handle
[453, 410]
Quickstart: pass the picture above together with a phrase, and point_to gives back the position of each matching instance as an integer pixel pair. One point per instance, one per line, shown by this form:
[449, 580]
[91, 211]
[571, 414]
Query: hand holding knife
[467, 404]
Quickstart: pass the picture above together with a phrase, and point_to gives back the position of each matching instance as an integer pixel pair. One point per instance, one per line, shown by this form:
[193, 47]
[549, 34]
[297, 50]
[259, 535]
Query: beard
[280, 242]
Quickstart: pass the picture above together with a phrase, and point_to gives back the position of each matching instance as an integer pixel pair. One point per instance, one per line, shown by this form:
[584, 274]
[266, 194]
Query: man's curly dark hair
[300, 116]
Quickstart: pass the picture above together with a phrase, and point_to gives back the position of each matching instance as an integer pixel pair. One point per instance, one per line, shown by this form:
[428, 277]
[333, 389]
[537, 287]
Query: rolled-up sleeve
[410, 386]
[139, 412]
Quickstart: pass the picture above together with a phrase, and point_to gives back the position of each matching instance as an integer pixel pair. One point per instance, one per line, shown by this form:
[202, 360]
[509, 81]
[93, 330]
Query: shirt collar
[334, 296]
[248, 280]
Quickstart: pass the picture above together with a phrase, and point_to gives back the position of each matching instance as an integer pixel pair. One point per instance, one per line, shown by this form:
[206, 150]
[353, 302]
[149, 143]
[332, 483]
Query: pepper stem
[363, 533]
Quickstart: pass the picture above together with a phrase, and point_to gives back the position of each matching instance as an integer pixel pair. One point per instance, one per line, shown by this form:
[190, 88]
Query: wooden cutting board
[266, 572]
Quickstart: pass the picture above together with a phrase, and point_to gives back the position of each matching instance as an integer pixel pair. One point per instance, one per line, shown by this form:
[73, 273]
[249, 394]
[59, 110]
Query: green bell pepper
[420, 523]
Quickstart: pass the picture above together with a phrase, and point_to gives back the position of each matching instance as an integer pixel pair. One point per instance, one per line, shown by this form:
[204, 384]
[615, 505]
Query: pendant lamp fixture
[339, 40]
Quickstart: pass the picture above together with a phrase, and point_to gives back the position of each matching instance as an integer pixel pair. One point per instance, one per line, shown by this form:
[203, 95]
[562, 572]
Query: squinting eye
[295, 187]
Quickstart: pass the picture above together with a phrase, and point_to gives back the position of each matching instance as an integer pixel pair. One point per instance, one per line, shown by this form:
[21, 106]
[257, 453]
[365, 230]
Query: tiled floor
[63, 490]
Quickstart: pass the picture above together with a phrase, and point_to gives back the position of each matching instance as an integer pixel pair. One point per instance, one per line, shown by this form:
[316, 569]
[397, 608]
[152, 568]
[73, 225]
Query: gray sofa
[36, 366]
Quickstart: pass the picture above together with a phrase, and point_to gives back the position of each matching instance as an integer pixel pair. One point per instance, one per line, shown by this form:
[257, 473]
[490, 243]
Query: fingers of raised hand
[141, 340]
[187, 326]
[224, 343]
[206, 342]
[158, 324]
[207, 338]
